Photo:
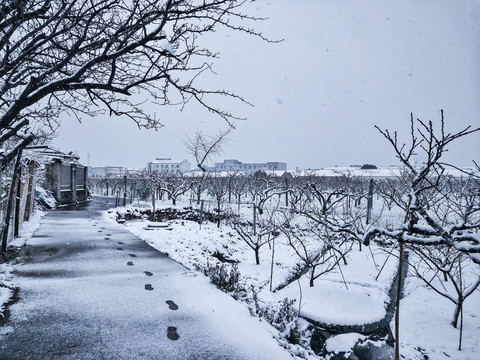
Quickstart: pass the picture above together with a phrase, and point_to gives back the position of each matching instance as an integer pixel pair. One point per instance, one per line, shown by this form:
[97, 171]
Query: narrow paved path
[91, 290]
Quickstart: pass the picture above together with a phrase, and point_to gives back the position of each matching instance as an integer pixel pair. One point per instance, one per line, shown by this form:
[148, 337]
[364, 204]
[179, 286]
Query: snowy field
[353, 294]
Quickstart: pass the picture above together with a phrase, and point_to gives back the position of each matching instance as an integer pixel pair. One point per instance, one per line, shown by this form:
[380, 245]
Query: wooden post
[18, 197]
[230, 190]
[153, 204]
[370, 201]
[254, 219]
[271, 264]
[286, 191]
[30, 191]
[11, 198]
[125, 191]
[201, 213]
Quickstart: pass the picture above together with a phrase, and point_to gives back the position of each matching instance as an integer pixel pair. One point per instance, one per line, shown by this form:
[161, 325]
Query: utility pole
[125, 191]
[370, 201]
[254, 219]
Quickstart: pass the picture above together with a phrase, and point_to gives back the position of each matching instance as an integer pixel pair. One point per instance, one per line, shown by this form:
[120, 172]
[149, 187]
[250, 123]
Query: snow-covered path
[91, 290]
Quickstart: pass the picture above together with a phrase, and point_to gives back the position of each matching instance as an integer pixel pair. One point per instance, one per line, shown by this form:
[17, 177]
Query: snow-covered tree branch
[88, 57]
[421, 225]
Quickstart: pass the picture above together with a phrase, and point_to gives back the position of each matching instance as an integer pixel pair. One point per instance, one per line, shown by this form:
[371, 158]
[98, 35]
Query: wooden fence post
[18, 197]
[30, 191]
[11, 198]
[370, 201]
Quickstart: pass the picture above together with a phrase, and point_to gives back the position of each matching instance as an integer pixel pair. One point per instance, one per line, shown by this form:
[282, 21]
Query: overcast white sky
[344, 66]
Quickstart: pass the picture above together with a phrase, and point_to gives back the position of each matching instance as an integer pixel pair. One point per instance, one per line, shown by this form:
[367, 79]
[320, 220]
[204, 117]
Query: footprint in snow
[148, 273]
[107, 238]
[120, 243]
[132, 255]
[171, 305]
[130, 263]
[148, 287]
[172, 333]
[119, 248]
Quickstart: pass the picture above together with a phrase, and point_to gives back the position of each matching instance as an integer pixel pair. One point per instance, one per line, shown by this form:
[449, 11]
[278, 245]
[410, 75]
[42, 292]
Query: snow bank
[343, 342]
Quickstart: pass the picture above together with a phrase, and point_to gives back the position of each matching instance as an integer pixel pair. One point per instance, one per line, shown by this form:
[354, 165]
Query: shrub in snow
[226, 278]
[285, 319]
[45, 198]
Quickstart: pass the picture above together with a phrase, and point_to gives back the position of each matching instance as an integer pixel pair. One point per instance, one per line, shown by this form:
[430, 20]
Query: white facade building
[167, 165]
[110, 171]
[235, 165]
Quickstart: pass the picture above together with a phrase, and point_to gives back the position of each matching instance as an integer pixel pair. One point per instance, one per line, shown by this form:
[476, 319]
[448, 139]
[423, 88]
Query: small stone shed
[64, 176]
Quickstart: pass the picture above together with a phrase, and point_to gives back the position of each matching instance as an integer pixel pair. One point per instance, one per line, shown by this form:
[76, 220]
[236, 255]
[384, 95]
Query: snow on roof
[49, 153]
[383, 172]
[168, 161]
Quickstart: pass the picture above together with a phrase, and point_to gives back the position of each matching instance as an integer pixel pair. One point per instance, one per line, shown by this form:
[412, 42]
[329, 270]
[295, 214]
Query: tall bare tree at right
[422, 158]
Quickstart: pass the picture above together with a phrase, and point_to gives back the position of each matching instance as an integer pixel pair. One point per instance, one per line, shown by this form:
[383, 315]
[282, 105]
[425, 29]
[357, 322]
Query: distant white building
[112, 171]
[102, 171]
[167, 165]
[235, 165]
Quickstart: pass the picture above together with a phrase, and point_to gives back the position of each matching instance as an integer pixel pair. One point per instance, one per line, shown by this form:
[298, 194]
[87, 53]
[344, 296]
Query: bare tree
[91, 56]
[202, 147]
[318, 248]
[217, 188]
[444, 270]
[238, 184]
[265, 230]
[263, 187]
[420, 227]
[174, 185]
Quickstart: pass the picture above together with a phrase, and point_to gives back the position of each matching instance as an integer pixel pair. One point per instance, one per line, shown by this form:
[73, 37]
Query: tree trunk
[397, 302]
[18, 191]
[271, 264]
[11, 199]
[312, 275]
[153, 205]
[460, 336]
[257, 256]
[456, 313]
[461, 299]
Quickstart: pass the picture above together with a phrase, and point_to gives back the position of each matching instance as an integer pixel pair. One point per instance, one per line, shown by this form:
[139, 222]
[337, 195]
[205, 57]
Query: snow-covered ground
[355, 293]
[7, 282]
[425, 325]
